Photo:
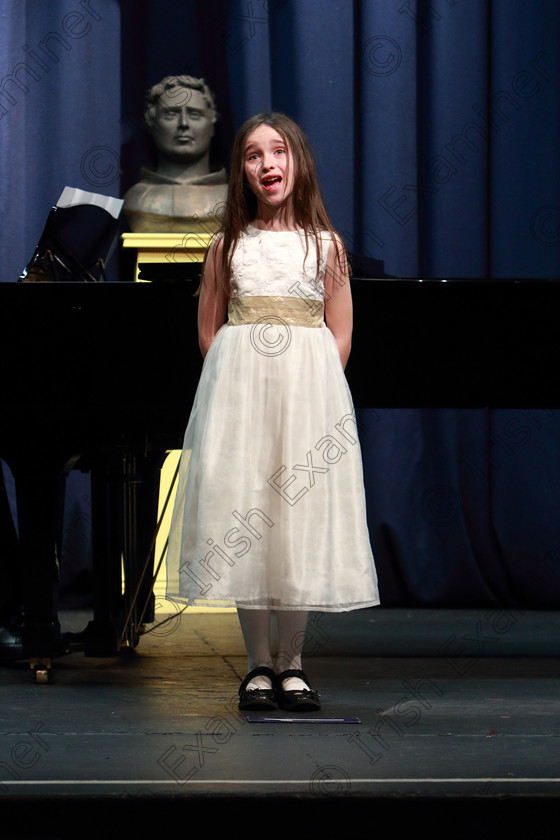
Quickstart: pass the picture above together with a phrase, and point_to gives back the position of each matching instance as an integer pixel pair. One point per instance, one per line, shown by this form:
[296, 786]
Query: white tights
[255, 626]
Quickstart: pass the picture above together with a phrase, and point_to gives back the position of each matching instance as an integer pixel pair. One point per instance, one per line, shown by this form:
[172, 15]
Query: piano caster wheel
[41, 668]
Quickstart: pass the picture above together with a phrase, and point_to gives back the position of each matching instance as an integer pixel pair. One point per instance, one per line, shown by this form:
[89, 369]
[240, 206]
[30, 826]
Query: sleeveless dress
[269, 511]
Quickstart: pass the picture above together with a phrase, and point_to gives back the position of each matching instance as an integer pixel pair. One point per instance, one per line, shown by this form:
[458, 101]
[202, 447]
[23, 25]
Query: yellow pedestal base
[166, 499]
[167, 247]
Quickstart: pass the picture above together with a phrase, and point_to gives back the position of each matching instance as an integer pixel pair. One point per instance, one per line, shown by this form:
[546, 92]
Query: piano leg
[10, 582]
[124, 516]
[39, 493]
[141, 486]
[101, 636]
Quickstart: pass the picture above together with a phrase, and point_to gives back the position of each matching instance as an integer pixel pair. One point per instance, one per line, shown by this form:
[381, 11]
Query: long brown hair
[309, 211]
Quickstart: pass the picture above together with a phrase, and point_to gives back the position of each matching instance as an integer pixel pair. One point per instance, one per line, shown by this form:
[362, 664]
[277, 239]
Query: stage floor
[452, 717]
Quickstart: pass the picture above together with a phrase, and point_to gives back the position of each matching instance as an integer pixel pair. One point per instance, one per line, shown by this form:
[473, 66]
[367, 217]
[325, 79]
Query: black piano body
[102, 376]
[455, 343]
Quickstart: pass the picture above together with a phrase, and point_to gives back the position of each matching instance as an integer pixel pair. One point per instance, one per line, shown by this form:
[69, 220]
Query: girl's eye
[280, 152]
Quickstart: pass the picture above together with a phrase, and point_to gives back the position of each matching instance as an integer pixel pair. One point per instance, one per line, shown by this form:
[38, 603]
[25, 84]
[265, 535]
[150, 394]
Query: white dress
[270, 506]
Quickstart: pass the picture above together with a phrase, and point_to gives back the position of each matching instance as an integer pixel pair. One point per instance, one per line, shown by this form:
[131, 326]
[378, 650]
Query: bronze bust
[183, 193]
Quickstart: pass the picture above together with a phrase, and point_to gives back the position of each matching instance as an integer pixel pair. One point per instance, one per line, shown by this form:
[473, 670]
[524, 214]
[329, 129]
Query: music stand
[76, 240]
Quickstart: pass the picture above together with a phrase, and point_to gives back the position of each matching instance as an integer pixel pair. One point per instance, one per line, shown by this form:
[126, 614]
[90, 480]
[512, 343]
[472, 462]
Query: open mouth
[271, 183]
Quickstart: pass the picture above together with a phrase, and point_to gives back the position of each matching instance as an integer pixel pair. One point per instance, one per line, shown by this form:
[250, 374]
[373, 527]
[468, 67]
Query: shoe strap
[261, 671]
[292, 672]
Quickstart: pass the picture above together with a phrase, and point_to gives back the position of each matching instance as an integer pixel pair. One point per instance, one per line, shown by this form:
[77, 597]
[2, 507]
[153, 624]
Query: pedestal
[166, 253]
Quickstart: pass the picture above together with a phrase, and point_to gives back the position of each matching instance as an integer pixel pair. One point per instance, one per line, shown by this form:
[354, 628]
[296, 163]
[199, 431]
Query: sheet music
[71, 196]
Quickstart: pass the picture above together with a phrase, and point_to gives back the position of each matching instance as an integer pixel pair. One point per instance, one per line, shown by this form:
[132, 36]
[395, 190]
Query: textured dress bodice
[267, 262]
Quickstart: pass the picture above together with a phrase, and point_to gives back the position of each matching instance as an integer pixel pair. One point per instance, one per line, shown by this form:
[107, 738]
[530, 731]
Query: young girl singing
[270, 508]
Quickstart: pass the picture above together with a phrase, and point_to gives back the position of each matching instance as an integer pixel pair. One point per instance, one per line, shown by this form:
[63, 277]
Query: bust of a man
[183, 193]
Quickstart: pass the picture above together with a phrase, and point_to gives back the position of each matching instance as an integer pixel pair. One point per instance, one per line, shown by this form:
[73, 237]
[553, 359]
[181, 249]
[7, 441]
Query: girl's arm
[212, 302]
[338, 300]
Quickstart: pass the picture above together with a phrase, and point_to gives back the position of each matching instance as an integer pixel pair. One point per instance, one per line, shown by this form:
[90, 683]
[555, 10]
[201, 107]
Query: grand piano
[101, 377]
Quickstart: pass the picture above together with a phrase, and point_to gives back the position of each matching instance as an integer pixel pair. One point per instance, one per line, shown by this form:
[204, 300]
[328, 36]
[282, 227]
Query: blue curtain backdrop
[436, 128]
[60, 113]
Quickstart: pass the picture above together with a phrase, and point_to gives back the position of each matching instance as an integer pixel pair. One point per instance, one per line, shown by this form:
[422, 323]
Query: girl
[270, 509]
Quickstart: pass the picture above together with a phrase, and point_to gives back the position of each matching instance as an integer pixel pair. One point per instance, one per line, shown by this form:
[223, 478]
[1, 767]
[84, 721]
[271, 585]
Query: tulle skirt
[270, 507]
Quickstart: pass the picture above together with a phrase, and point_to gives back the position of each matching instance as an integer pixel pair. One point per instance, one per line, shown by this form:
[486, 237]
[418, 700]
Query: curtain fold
[60, 113]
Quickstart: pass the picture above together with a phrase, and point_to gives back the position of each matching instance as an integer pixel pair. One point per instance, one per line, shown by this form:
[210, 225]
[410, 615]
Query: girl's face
[269, 166]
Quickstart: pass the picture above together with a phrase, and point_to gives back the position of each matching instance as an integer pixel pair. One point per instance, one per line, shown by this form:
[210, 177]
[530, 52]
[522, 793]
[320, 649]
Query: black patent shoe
[301, 700]
[258, 699]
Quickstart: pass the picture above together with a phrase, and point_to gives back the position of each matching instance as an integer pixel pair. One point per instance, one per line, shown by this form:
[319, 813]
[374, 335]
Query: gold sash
[293, 311]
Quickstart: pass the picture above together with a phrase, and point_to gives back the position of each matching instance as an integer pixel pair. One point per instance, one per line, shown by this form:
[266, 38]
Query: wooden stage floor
[452, 723]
